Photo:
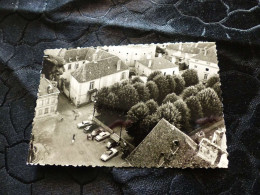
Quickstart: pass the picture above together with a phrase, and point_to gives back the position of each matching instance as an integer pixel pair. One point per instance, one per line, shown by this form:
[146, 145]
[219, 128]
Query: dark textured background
[27, 27]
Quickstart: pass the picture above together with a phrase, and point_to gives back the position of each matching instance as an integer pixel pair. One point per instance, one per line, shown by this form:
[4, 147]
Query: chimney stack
[118, 65]
[150, 63]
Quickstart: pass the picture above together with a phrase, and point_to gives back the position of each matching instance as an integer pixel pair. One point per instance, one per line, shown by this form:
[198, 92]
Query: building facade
[147, 66]
[92, 76]
[205, 63]
[47, 101]
[131, 53]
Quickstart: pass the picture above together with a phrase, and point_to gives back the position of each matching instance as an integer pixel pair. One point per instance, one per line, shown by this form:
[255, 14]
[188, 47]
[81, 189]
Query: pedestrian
[73, 138]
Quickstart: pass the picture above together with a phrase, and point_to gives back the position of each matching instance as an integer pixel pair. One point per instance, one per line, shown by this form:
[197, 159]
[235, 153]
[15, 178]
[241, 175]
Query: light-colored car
[84, 124]
[112, 143]
[97, 131]
[102, 136]
[109, 154]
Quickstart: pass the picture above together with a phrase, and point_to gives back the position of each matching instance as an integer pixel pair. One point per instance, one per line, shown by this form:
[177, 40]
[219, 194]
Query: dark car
[111, 144]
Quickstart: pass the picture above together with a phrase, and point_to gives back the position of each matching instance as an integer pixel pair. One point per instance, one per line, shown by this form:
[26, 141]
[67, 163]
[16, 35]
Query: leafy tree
[112, 101]
[101, 102]
[153, 89]
[183, 66]
[115, 87]
[149, 122]
[195, 108]
[170, 98]
[210, 103]
[170, 113]
[128, 97]
[163, 86]
[180, 84]
[200, 87]
[217, 89]
[138, 112]
[185, 115]
[152, 106]
[212, 80]
[171, 82]
[190, 77]
[189, 91]
[142, 91]
[136, 80]
[153, 75]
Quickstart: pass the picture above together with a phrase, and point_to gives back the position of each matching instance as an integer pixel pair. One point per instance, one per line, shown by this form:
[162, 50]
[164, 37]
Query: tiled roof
[211, 55]
[103, 67]
[44, 83]
[185, 48]
[159, 144]
[158, 63]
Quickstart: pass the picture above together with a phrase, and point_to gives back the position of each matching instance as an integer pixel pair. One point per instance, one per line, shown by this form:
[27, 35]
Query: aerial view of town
[156, 105]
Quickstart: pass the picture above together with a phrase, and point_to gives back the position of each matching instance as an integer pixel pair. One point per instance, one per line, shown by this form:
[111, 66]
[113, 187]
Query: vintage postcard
[156, 105]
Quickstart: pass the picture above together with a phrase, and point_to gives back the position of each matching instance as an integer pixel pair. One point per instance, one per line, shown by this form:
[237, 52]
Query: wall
[47, 103]
[201, 67]
[142, 69]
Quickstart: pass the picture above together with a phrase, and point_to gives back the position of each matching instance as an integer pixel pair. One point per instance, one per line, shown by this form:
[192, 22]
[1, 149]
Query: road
[56, 137]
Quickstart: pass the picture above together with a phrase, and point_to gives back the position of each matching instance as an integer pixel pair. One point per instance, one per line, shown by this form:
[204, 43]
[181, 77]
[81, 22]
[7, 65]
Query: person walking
[73, 138]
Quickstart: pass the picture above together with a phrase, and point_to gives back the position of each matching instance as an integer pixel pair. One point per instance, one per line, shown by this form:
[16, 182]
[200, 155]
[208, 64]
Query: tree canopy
[212, 80]
[136, 80]
[195, 108]
[185, 115]
[153, 75]
[162, 85]
[189, 91]
[128, 97]
[171, 83]
[180, 84]
[153, 90]
[190, 77]
[142, 91]
[151, 105]
[172, 97]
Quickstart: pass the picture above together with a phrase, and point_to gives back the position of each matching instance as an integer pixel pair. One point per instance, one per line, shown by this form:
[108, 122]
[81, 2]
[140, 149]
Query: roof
[211, 55]
[44, 83]
[103, 67]
[185, 48]
[158, 63]
[157, 149]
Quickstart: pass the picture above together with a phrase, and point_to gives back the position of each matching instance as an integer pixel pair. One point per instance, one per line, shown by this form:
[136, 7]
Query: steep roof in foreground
[158, 63]
[211, 55]
[104, 67]
[158, 149]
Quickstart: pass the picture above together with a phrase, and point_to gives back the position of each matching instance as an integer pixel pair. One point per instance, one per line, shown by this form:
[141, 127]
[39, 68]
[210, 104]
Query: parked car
[111, 144]
[84, 124]
[87, 129]
[102, 136]
[97, 131]
[109, 154]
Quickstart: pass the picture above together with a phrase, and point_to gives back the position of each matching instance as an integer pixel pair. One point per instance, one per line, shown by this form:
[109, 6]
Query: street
[56, 137]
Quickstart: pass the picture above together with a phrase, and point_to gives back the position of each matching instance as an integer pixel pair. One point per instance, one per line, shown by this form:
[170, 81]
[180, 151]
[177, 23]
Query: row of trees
[179, 99]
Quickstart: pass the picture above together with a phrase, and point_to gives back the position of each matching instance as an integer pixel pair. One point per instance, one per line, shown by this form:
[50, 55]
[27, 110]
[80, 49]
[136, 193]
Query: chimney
[95, 57]
[205, 51]
[150, 63]
[118, 65]
[180, 46]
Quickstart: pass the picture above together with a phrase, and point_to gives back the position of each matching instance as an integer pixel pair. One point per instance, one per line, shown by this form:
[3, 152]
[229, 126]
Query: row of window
[45, 111]
[75, 66]
[92, 83]
[47, 101]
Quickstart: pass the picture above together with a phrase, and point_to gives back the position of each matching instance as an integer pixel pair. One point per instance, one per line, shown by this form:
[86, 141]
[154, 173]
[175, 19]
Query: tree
[189, 91]
[180, 84]
[149, 122]
[136, 115]
[170, 113]
[217, 88]
[200, 87]
[115, 87]
[128, 97]
[195, 108]
[210, 103]
[212, 80]
[153, 89]
[185, 115]
[163, 87]
[138, 112]
[171, 82]
[101, 102]
[153, 75]
[142, 91]
[112, 101]
[136, 80]
[190, 77]
[170, 98]
[151, 105]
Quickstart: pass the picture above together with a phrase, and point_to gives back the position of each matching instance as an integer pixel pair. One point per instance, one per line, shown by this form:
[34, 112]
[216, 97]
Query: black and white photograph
[154, 105]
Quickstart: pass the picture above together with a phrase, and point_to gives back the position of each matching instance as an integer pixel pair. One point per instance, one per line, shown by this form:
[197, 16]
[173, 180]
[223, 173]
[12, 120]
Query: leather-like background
[27, 27]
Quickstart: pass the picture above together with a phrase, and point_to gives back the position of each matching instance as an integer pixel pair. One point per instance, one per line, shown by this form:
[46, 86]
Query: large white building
[206, 63]
[147, 66]
[129, 54]
[92, 76]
